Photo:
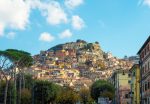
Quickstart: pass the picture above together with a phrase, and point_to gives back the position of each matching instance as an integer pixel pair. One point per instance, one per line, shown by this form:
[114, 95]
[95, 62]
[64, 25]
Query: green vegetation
[10, 94]
[57, 47]
[26, 96]
[96, 42]
[17, 87]
[85, 96]
[45, 92]
[102, 88]
[67, 96]
[10, 60]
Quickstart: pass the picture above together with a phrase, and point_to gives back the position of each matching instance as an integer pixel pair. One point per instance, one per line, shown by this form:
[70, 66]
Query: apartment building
[121, 81]
[135, 84]
[144, 54]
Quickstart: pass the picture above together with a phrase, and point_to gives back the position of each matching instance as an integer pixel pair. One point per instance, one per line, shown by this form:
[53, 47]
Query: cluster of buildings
[133, 86]
[114, 63]
[127, 85]
[76, 64]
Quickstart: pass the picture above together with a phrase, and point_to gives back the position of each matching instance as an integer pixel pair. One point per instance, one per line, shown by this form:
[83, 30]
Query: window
[145, 68]
[133, 73]
[148, 87]
[129, 81]
[148, 65]
[123, 73]
[145, 51]
[126, 96]
[145, 86]
[143, 54]
[148, 48]
[129, 75]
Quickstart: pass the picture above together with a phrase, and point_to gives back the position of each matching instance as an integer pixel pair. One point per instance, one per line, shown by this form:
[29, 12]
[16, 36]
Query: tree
[10, 94]
[25, 96]
[45, 92]
[11, 59]
[6, 65]
[102, 88]
[89, 46]
[23, 84]
[67, 96]
[28, 81]
[85, 95]
[22, 59]
[96, 42]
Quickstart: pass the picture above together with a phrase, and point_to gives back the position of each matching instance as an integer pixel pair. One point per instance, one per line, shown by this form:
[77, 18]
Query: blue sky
[120, 26]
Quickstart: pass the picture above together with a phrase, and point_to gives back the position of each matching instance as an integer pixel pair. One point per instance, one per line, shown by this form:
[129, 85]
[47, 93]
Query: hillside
[77, 60]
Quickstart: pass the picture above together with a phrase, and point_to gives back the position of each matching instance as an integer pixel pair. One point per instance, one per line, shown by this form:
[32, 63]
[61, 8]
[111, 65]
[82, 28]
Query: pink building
[124, 95]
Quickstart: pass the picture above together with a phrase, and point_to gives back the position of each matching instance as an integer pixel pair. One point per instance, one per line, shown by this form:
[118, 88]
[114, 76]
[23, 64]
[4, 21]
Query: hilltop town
[77, 64]
[74, 52]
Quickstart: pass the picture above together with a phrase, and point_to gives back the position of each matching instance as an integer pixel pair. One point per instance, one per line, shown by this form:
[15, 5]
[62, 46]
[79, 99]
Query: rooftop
[148, 39]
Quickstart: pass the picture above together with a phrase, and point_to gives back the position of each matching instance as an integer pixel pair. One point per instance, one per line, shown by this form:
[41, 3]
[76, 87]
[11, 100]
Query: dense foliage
[85, 96]
[102, 88]
[11, 92]
[23, 58]
[10, 60]
[26, 96]
[45, 92]
[67, 96]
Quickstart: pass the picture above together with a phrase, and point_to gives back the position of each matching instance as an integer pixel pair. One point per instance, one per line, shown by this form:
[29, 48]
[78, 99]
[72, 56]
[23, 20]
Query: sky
[120, 26]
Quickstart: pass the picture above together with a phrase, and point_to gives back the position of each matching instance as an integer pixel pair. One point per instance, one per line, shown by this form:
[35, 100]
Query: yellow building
[135, 84]
[120, 79]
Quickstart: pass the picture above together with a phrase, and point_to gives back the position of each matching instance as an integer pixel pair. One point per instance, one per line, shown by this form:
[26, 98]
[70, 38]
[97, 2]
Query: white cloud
[46, 37]
[14, 14]
[65, 34]
[1, 29]
[56, 14]
[52, 10]
[11, 35]
[77, 22]
[73, 3]
[146, 2]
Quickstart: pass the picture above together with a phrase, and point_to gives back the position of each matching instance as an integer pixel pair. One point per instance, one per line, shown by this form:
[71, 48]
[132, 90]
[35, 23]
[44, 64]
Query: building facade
[144, 54]
[120, 79]
[135, 84]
